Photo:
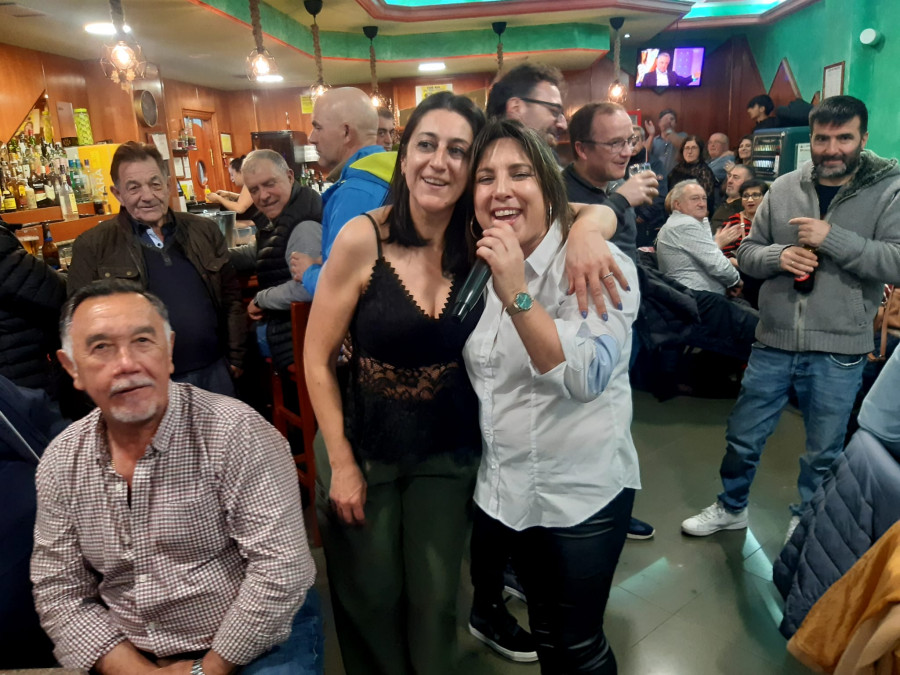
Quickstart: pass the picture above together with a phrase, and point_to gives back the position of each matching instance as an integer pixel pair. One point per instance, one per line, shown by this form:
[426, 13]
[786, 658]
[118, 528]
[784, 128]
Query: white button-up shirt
[557, 446]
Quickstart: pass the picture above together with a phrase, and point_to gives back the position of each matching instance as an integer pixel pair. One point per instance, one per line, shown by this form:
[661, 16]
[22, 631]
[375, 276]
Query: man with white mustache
[169, 535]
[180, 257]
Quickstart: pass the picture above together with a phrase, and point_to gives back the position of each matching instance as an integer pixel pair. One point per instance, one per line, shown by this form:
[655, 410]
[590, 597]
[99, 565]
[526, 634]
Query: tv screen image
[679, 67]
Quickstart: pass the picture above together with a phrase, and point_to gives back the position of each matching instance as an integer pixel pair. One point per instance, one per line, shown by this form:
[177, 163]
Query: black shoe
[499, 630]
[638, 529]
[511, 584]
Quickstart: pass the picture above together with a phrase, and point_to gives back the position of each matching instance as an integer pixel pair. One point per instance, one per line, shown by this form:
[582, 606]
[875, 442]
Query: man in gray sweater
[825, 240]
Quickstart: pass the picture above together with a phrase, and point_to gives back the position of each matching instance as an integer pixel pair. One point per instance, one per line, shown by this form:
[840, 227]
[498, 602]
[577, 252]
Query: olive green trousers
[394, 581]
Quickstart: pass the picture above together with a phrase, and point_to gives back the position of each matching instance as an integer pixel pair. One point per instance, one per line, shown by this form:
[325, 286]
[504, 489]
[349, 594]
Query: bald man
[719, 155]
[345, 125]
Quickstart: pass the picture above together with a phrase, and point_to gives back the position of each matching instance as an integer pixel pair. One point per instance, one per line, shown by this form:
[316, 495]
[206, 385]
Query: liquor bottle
[49, 251]
[21, 195]
[30, 196]
[87, 180]
[40, 191]
[51, 187]
[805, 282]
[8, 205]
[10, 193]
[67, 199]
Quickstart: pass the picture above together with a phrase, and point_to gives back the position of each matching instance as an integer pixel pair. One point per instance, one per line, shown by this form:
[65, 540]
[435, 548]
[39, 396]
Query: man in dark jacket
[179, 257]
[31, 294]
[294, 225]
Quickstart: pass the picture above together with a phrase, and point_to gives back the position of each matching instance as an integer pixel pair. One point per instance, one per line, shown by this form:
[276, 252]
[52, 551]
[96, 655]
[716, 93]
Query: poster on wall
[833, 80]
[426, 90]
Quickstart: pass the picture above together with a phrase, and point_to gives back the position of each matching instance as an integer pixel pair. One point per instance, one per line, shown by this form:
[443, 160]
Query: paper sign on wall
[426, 90]
[306, 105]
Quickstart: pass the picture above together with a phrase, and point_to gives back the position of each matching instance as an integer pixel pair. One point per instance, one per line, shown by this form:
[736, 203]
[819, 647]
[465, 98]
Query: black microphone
[471, 290]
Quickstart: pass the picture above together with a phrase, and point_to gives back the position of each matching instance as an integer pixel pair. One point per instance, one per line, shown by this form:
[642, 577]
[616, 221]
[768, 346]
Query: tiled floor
[681, 606]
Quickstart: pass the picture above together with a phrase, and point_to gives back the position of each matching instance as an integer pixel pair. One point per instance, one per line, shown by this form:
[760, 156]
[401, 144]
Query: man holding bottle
[825, 240]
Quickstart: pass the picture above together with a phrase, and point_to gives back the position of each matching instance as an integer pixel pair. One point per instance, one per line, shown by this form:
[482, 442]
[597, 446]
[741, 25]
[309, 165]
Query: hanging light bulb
[122, 62]
[377, 99]
[261, 66]
[617, 92]
[319, 88]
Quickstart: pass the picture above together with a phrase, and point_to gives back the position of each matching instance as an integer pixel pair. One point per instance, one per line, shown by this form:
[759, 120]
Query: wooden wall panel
[784, 88]
[24, 82]
[241, 119]
[110, 108]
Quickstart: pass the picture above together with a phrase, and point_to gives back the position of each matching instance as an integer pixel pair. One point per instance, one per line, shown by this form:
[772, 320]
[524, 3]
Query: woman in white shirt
[559, 468]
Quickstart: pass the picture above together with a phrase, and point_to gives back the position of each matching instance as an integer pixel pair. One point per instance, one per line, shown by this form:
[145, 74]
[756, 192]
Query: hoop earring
[475, 235]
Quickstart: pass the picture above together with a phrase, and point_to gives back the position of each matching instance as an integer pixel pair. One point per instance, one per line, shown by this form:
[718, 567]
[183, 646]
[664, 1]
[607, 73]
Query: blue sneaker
[638, 529]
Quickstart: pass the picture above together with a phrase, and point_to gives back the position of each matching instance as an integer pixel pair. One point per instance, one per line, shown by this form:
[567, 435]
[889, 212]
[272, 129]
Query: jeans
[303, 652]
[566, 573]
[825, 384]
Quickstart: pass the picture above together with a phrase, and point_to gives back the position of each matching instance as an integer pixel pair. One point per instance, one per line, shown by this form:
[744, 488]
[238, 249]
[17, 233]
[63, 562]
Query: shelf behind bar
[62, 230]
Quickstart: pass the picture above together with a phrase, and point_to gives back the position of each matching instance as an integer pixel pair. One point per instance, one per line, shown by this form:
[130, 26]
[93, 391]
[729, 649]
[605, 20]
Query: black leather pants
[566, 573]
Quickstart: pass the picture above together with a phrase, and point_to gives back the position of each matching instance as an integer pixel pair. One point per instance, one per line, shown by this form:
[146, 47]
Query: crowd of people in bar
[478, 314]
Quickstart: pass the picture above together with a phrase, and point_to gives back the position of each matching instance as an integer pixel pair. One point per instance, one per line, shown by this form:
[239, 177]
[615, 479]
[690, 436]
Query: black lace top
[408, 395]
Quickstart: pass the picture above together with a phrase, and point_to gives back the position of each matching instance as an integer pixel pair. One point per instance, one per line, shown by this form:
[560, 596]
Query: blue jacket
[856, 504]
[363, 186]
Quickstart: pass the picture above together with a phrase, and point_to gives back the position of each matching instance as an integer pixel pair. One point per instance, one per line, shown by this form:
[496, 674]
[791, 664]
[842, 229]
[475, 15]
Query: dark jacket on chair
[31, 295]
[857, 503]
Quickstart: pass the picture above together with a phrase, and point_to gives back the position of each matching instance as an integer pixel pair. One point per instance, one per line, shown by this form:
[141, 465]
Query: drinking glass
[640, 167]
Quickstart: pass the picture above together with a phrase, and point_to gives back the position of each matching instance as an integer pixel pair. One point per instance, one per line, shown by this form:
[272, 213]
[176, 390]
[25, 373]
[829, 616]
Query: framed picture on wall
[636, 117]
[833, 80]
[226, 143]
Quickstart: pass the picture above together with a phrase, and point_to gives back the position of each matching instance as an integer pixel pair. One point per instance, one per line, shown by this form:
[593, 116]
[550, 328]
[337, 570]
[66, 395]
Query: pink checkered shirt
[210, 554]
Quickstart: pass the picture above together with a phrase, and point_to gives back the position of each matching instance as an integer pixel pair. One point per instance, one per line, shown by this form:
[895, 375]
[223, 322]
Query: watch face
[524, 301]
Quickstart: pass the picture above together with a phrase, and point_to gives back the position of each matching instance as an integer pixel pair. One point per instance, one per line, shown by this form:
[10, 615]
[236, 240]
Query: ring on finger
[606, 276]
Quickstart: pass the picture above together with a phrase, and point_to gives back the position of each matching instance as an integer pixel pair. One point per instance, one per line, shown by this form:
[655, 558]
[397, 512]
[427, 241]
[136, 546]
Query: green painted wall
[828, 32]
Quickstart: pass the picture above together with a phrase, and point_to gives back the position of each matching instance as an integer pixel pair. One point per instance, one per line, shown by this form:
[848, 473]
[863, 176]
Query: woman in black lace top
[402, 439]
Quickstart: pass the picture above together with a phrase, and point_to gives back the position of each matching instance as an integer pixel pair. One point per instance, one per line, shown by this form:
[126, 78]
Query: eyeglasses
[618, 145]
[555, 108]
[755, 196]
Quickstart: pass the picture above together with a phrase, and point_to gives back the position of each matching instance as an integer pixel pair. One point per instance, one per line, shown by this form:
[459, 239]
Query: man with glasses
[603, 140]
[530, 93]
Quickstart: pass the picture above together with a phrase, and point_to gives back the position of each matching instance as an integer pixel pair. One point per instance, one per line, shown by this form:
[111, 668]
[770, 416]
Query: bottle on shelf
[30, 196]
[8, 203]
[67, 199]
[51, 187]
[49, 251]
[21, 195]
[40, 190]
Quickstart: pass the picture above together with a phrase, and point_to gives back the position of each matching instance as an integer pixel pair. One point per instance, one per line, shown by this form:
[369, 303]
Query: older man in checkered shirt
[169, 533]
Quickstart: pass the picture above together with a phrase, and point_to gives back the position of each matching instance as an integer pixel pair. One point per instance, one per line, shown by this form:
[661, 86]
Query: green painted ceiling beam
[713, 11]
[421, 46]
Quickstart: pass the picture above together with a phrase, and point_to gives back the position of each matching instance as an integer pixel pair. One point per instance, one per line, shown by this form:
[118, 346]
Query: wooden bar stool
[303, 418]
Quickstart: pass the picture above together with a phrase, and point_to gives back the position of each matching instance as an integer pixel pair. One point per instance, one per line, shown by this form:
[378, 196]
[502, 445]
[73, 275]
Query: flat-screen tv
[678, 67]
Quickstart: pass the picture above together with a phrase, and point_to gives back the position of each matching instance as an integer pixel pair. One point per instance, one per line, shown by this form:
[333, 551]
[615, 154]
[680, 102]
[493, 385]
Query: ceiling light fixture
[618, 92]
[102, 28]
[627, 35]
[499, 27]
[435, 67]
[378, 100]
[261, 66]
[122, 62]
[319, 88]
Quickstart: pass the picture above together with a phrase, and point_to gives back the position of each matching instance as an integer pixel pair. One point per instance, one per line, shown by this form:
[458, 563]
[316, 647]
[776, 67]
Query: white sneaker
[713, 519]
[795, 521]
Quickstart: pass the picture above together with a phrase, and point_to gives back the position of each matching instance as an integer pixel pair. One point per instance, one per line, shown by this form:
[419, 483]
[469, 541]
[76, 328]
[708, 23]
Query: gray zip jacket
[860, 254]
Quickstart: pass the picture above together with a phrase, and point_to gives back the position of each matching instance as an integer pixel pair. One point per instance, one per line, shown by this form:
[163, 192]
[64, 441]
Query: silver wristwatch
[197, 667]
